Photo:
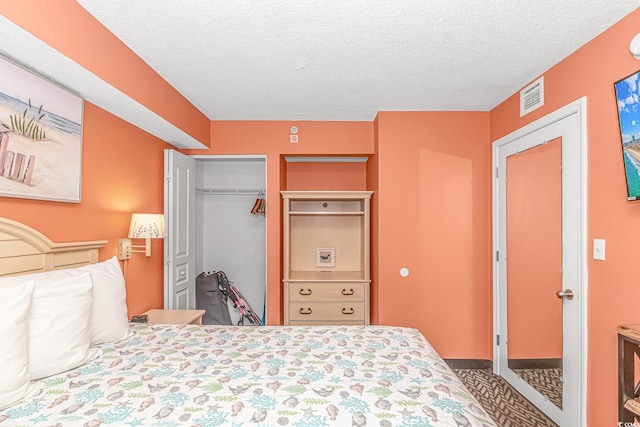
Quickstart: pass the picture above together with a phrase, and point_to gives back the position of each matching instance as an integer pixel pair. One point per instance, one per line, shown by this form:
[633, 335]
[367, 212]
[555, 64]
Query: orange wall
[113, 186]
[372, 185]
[434, 217]
[272, 139]
[613, 284]
[325, 176]
[90, 44]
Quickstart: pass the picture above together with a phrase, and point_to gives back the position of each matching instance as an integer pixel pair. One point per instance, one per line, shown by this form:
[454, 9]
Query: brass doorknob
[568, 294]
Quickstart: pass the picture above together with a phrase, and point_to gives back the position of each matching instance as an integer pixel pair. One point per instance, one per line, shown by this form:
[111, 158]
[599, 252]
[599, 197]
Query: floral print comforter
[189, 375]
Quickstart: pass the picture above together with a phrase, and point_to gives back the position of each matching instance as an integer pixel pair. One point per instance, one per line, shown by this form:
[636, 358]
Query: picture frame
[325, 257]
[628, 106]
[40, 137]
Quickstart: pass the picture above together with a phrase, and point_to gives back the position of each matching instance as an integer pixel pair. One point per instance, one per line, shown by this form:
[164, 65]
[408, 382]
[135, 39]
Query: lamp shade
[147, 226]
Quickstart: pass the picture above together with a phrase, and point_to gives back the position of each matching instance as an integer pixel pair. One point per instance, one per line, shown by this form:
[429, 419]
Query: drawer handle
[308, 292]
[344, 292]
[302, 311]
[344, 311]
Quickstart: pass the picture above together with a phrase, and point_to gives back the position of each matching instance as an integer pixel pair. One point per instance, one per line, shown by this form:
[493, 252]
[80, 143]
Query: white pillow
[109, 320]
[60, 328]
[15, 304]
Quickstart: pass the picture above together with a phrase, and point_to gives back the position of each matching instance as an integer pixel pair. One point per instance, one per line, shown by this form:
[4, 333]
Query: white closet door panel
[180, 247]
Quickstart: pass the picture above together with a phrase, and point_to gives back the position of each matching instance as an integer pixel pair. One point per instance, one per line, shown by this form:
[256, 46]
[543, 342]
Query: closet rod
[232, 191]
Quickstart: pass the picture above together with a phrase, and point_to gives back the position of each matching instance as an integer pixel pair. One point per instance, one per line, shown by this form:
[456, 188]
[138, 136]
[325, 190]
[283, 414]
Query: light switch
[598, 249]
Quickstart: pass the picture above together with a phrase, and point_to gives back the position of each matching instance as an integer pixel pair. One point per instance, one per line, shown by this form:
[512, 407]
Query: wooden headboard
[24, 250]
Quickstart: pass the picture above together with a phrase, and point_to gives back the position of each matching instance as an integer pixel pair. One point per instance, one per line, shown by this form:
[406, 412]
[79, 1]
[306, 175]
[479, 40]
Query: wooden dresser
[326, 252]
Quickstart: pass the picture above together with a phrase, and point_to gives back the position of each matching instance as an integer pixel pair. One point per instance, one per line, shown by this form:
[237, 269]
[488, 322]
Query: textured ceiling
[347, 60]
[324, 60]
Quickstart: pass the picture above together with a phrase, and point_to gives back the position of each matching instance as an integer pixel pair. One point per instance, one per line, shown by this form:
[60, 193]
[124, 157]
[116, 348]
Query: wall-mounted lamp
[634, 46]
[143, 226]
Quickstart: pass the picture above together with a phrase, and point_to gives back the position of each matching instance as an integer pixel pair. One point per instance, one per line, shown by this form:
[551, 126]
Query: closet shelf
[231, 191]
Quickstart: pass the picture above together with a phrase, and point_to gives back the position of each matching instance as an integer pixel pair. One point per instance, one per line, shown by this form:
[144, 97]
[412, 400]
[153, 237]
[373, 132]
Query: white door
[180, 244]
[540, 262]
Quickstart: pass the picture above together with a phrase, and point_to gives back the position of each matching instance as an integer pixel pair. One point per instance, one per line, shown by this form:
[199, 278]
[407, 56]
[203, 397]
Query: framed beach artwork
[40, 137]
[628, 100]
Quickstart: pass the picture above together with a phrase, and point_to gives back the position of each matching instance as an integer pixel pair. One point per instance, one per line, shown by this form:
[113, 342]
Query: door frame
[499, 313]
[205, 157]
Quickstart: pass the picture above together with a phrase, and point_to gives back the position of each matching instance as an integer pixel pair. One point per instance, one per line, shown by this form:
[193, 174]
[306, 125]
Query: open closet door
[180, 244]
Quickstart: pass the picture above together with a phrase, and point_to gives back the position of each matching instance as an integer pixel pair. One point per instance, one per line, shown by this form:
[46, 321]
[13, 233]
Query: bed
[204, 375]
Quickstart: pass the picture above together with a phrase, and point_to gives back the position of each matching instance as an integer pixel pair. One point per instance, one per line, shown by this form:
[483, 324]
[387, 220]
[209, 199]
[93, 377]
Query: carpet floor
[503, 403]
[548, 381]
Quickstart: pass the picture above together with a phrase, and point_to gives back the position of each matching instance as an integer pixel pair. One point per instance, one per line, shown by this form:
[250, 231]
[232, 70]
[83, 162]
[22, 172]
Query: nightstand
[175, 317]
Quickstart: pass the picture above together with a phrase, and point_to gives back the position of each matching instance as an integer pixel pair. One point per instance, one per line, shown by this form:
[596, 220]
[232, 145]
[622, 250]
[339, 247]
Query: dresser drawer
[330, 311]
[325, 322]
[327, 291]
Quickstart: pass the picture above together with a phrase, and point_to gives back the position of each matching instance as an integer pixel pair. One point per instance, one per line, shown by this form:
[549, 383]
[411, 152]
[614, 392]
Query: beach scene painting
[40, 137]
[628, 100]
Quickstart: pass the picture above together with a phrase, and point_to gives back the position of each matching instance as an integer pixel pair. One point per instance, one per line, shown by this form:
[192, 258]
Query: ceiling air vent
[532, 97]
